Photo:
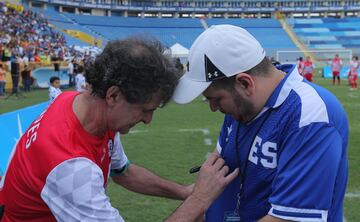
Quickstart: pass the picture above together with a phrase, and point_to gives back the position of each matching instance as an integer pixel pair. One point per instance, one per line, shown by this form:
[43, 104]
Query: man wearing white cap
[288, 137]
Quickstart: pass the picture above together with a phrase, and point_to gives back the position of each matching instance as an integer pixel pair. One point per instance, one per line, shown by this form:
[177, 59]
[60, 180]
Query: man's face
[230, 101]
[123, 116]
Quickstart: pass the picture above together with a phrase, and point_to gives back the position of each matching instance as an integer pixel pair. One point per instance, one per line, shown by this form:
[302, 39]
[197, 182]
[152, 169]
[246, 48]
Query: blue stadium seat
[328, 33]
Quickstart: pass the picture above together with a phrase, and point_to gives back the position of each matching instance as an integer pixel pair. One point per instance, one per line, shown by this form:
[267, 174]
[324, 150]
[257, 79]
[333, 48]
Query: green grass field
[167, 148]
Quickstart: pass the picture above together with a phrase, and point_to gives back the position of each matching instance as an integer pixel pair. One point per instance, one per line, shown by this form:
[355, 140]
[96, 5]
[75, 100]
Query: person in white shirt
[80, 82]
[54, 89]
[71, 72]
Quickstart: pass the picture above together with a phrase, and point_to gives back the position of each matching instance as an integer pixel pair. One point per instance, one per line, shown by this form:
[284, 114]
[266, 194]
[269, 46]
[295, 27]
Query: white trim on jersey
[313, 108]
[118, 156]
[74, 191]
[218, 146]
[288, 86]
[298, 214]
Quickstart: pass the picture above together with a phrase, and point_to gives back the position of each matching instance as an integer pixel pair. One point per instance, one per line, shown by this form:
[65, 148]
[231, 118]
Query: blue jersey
[294, 153]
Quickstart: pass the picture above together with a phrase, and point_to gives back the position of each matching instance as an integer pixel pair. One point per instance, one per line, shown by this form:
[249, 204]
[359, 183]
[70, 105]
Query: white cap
[220, 51]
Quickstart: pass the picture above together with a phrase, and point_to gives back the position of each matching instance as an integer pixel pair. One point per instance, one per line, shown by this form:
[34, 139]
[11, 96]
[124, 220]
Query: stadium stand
[61, 22]
[171, 31]
[328, 33]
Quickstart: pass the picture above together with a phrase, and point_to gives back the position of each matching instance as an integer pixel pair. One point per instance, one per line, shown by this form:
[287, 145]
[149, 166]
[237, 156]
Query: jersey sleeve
[74, 191]
[304, 185]
[119, 160]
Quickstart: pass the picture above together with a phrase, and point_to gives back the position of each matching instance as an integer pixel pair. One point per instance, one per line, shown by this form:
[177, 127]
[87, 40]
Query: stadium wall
[196, 8]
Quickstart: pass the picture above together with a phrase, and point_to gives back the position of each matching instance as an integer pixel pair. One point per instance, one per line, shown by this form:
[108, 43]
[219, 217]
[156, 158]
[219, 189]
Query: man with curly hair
[60, 167]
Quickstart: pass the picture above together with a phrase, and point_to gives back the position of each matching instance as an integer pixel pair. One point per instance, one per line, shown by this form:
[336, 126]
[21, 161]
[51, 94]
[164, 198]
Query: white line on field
[344, 219]
[351, 95]
[207, 141]
[203, 130]
[138, 131]
[353, 195]
[206, 132]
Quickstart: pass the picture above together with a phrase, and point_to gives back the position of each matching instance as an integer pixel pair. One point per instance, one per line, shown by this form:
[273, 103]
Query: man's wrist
[199, 202]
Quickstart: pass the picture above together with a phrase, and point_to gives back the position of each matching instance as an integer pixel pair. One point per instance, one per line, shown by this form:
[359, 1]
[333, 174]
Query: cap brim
[187, 89]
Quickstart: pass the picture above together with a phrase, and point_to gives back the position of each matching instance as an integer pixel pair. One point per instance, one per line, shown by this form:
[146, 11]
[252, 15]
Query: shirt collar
[283, 89]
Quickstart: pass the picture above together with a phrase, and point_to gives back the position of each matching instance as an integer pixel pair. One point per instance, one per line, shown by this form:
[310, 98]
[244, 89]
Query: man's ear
[113, 95]
[245, 82]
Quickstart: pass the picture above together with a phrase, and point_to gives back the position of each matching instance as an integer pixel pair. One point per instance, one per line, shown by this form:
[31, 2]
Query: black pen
[195, 169]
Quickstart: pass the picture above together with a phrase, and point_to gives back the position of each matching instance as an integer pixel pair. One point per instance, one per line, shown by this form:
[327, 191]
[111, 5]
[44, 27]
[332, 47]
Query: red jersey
[354, 68]
[308, 67]
[48, 165]
[336, 64]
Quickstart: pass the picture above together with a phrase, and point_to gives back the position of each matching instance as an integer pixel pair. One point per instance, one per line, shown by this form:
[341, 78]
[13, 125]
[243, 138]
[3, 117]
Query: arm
[211, 181]
[141, 180]
[311, 174]
[74, 191]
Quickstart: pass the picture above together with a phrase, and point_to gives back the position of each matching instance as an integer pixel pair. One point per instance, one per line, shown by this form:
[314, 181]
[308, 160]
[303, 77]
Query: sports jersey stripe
[313, 108]
[218, 147]
[292, 78]
[298, 214]
[311, 102]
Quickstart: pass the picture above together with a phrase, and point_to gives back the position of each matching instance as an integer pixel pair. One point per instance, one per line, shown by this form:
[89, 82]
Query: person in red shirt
[308, 69]
[37, 58]
[336, 65]
[60, 166]
[354, 72]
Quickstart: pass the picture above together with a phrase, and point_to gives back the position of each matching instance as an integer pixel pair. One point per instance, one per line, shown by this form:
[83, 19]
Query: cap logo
[211, 71]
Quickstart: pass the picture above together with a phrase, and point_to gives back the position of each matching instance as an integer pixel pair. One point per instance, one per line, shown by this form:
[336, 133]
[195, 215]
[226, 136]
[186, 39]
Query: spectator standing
[26, 78]
[80, 82]
[2, 80]
[71, 72]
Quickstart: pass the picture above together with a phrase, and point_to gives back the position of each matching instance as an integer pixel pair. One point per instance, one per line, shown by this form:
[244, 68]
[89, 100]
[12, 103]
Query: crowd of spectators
[27, 38]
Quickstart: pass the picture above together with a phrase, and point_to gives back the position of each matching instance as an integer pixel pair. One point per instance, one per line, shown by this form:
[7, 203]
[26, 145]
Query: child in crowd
[54, 89]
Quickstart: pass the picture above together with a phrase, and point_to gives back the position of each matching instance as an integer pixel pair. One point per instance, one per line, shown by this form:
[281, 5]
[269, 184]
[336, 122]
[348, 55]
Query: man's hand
[211, 181]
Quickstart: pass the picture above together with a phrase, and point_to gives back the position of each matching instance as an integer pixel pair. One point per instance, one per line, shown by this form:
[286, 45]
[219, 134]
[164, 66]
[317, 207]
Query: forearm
[192, 209]
[210, 182]
[141, 180]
